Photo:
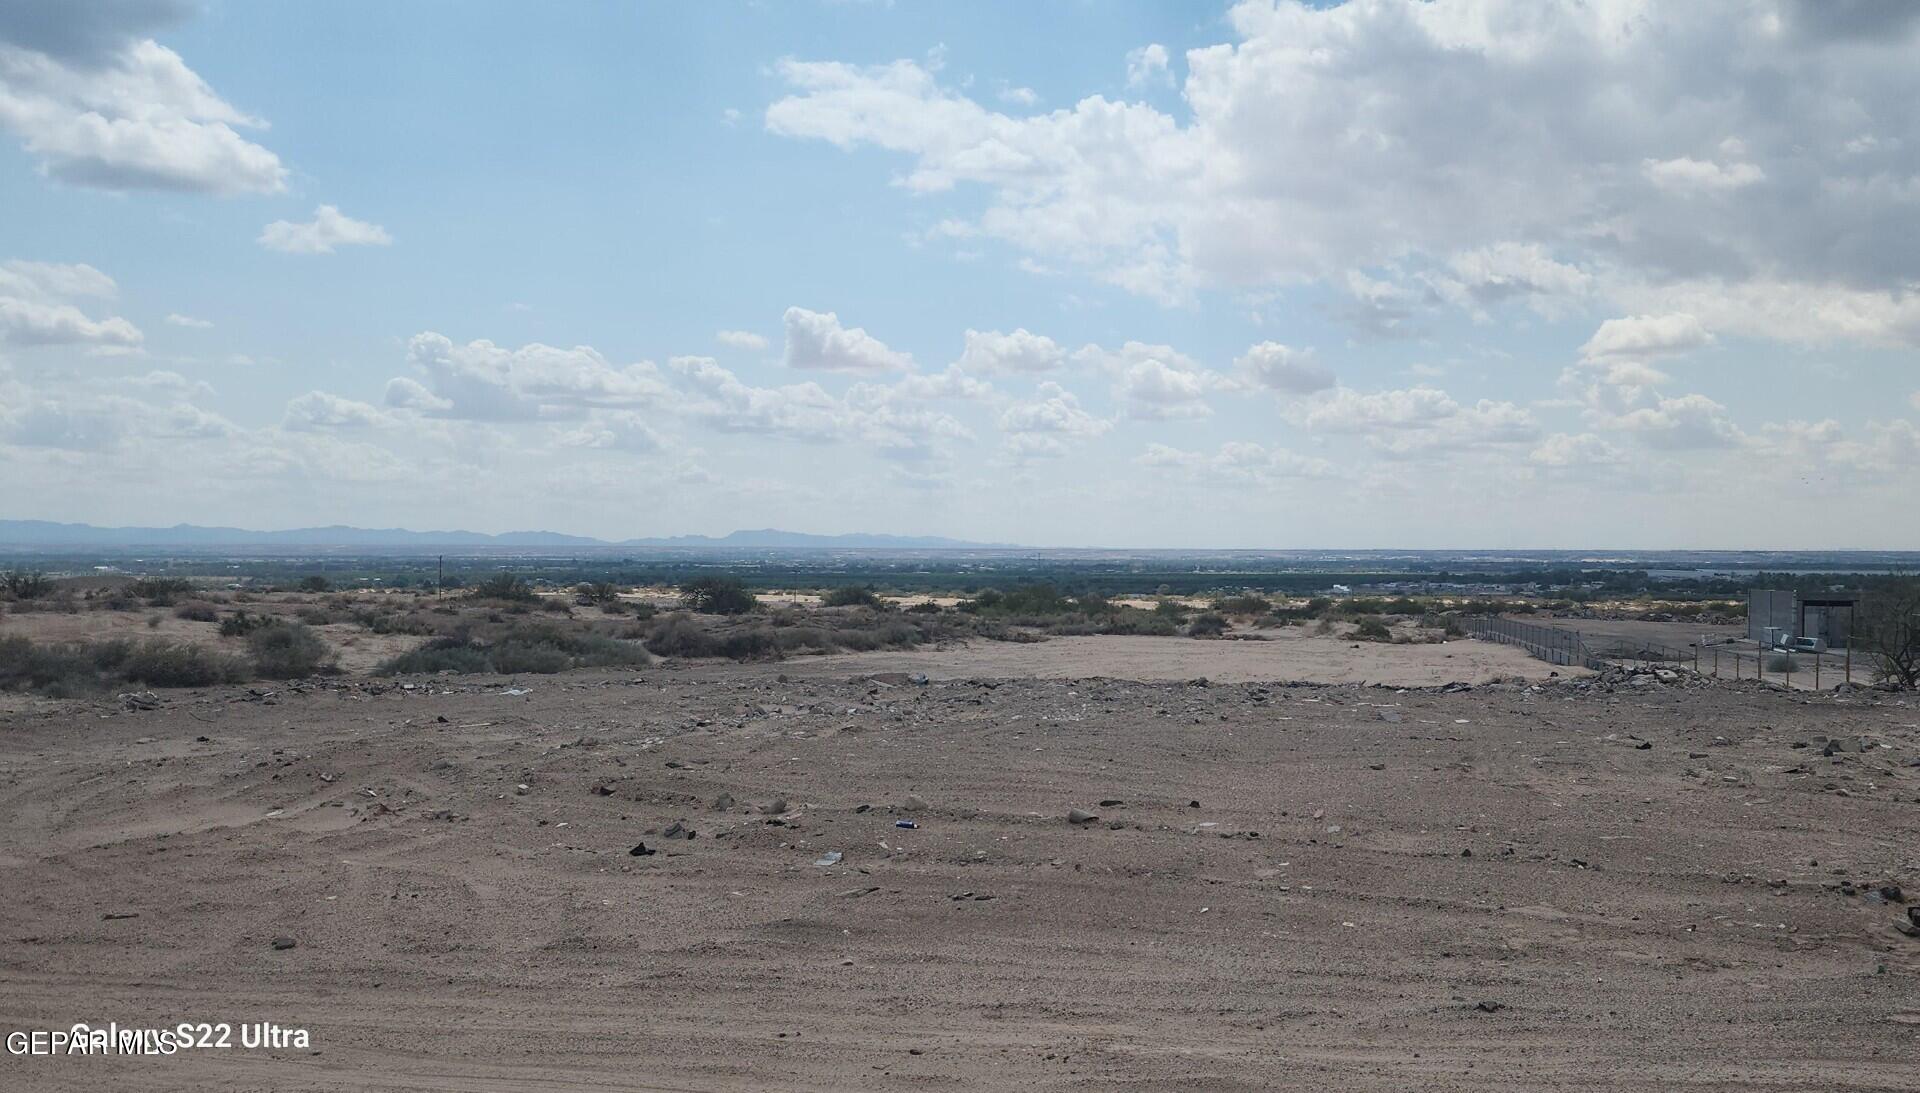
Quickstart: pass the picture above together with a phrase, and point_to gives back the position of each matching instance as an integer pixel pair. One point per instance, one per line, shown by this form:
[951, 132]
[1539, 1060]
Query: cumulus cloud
[97, 102]
[1685, 174]
[613, 430]
[1406, 422]
[1577, 148]
[1563, 451]
[1645, 337]
[1050, 424]
[318, 411]
[1283, 368]
[329, 228]
[990, 351]
[481, 381]
[1019, 96]
[36, 307]
[877, 415]
[1147, 65]
[741, 339]
[174, 318]
[1153, 390]
[817, 341]
[1680, 423]
[1236, 463]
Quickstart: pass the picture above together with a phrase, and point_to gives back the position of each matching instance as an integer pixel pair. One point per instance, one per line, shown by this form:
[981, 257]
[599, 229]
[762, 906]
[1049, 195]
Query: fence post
[1816, 670]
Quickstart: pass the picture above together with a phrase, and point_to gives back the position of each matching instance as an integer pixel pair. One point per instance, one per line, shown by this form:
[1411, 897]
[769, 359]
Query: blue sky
[1265, 275]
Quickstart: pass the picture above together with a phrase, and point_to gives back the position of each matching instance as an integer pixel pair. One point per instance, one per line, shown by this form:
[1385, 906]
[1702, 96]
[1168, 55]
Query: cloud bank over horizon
[1499, 273]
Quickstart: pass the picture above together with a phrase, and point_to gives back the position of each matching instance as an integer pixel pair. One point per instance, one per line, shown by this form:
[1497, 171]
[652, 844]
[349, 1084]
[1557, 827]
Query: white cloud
[879, 416]
[1152, 391]
[1400, 423]
[1284, 368]
[1680, 423]
[318, 411]
[992, 352]
[1568, 156]
[613, 430]
[1568, 451]
[1019, 96]
[328, 229]
[35, 308]
[1147, 65]
[1049, 424]
[741, 339]
[1645, 337]
[97, 102]
[481, 381]
[174, 318]
[1685, 174]
[1236, 463]
[817, 341]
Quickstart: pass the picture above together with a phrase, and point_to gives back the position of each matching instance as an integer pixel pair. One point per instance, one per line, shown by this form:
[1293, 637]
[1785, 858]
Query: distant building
[1785, 617]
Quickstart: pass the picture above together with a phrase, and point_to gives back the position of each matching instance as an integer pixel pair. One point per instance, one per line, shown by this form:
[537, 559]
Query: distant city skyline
[1382, 273]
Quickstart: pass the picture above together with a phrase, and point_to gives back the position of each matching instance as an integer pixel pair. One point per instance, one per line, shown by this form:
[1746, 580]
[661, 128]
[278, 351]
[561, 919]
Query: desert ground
[692, 876]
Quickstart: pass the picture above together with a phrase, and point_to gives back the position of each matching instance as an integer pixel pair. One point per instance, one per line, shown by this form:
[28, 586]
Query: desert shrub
[196, 611]
[678, 635]
[1403, 606]
[718, 596]
[287, 650]
[1372, 629]
[926, 607]
[1094, 604]
[159, 591]
[440, 655]
[1207, 625]
[1363, 605]
[598, 593]
[537, 649]
[1243, 605]
[62, 669]
[159, 663]
[851, 596]
[22, 585]
[314, 616]
[315, 583]
[513, 657]
[1029, 600]
[750, 643]
[1171, 610]
[510, 587]
[240, 624]
[1133, 622]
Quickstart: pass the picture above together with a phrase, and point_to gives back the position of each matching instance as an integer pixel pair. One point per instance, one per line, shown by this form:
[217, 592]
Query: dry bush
[288, 650]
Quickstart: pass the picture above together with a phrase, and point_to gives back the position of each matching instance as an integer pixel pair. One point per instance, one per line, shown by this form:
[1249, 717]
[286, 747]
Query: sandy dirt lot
[1291, 654]
[1305, 887]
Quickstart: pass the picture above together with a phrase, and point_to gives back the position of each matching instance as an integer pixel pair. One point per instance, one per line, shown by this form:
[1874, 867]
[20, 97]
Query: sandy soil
[1289, 654]
[1277, 892]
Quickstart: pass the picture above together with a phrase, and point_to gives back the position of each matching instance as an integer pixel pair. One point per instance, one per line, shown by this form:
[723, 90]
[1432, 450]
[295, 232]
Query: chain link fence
[1556, 645]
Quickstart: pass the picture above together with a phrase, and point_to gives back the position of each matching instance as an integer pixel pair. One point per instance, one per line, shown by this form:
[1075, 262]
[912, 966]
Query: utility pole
[441, 584]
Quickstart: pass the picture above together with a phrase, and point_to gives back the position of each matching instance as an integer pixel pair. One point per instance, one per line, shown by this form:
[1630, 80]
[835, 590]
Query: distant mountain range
[44, 533]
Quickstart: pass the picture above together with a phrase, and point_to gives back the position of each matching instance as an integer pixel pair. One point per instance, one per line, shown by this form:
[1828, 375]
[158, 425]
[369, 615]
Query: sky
[1383, 273]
